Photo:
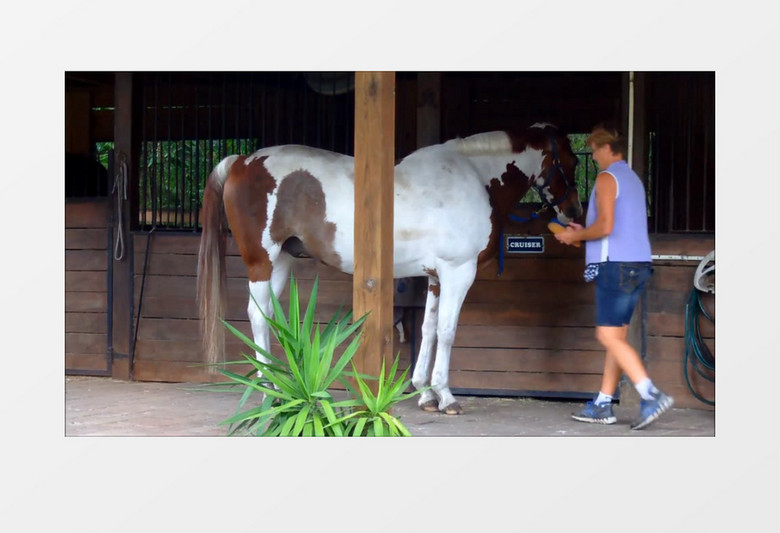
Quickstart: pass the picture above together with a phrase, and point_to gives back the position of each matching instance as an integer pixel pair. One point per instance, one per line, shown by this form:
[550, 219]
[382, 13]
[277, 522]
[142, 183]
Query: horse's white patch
[223, 167]
[530, 163]
[265, 240]
[493, 142]
[409, 234]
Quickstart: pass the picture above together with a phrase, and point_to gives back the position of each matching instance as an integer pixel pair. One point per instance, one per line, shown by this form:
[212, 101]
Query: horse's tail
[212, 279]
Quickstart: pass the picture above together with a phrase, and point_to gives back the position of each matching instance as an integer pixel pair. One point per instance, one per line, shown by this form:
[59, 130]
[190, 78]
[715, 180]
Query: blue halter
[556, 166]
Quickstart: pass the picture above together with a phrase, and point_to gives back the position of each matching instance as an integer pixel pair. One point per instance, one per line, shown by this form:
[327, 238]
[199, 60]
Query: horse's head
[555, 184]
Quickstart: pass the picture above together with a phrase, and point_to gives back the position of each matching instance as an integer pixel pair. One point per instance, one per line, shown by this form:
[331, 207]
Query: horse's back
[441, 210]
[284, 159]
[437, 195]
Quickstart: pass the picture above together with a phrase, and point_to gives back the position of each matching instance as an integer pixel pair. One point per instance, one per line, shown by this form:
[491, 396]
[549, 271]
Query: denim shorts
[618, 288]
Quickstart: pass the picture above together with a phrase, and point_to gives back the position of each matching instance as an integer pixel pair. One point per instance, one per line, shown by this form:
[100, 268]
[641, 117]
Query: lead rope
[120, 188]
[502, 244]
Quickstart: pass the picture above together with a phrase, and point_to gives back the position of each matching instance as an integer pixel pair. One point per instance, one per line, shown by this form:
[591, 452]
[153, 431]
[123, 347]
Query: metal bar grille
[191, 121]
[681, 126]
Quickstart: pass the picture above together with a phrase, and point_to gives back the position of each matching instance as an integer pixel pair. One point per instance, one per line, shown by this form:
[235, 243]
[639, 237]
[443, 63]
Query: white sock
[603, 399]
[646, 389]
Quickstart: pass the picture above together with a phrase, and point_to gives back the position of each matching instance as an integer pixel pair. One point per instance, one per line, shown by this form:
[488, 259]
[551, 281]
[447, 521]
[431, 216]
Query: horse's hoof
[452, 409]
[431, 406]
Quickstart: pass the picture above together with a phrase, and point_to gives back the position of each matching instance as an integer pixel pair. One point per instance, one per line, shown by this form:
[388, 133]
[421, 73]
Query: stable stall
[526, 327]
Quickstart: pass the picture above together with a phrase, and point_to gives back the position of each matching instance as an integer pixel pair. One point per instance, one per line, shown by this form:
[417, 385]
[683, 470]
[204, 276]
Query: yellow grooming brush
[557, 227]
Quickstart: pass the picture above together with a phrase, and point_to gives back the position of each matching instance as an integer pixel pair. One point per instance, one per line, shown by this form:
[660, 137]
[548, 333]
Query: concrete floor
[108, 407]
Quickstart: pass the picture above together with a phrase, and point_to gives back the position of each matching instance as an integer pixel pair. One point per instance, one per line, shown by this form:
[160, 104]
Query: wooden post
[126, 131]
[639, 155]
[428, 109]
[629, 398]
[374, 167]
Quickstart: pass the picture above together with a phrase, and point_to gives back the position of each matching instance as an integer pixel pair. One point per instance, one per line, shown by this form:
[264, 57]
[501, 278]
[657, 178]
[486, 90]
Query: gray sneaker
[650, 410]
[596, 414]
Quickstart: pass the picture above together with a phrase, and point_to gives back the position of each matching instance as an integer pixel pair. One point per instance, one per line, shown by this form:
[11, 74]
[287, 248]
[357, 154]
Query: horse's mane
[493, 142]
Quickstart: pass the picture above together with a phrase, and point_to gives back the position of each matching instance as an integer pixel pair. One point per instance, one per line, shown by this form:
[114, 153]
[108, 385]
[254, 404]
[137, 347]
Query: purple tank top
[629, 240]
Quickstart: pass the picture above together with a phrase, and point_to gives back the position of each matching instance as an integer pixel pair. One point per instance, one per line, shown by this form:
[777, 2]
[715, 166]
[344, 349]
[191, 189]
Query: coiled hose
[697, 354]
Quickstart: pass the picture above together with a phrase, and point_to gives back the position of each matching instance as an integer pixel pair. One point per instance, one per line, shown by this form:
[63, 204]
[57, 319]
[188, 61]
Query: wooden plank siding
[86, 284]
[530, 329]
[667, 296]
[168, 341]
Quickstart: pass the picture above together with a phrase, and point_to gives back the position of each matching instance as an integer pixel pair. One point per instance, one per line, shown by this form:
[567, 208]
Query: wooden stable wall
[532, 328]
[86, 284]
[168, 341]
[667, 296]
[529, 330]
[574, 101]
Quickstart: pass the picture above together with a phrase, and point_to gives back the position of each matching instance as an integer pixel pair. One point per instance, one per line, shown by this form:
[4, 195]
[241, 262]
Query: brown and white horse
[451, 201]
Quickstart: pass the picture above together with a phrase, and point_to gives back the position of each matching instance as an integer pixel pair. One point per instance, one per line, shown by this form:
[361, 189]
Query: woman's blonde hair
[604, 134]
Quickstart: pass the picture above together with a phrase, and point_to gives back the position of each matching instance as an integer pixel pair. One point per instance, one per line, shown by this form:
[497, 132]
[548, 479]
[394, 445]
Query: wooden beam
[639, 155]
[634, 118]
[77, 113]
[374, 167]
[126, 146]
[428, 108]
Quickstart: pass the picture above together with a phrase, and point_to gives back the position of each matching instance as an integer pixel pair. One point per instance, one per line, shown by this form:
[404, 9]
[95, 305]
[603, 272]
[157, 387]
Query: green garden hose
[697, 355]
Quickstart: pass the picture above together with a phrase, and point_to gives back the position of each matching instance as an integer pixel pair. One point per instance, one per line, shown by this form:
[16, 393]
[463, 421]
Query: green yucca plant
[371, 416]
[295, 388]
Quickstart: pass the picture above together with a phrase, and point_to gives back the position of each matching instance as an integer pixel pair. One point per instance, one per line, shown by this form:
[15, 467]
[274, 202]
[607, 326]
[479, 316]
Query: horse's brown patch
[539, 138]
[535, 138]
[433, 287]
[503, 194]
[565, 186]
[246, 206]
[300, 212]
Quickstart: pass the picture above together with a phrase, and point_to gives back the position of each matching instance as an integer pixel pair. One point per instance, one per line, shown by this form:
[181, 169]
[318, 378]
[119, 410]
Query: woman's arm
[606, 193]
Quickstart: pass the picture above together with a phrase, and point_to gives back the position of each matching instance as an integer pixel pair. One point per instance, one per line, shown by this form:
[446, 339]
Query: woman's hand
[569, 236]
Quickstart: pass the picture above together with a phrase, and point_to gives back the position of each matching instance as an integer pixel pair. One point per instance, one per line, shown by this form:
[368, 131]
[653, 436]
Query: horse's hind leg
[281, 273]
[455, 284]
[259, 305]
[260, 301]
[421, 375]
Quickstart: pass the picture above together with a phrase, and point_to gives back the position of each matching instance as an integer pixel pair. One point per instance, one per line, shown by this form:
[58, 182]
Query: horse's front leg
[455, 284]
[421, 375]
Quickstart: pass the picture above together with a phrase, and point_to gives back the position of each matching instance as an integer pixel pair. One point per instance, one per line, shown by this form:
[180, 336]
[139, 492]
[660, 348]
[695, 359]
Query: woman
[617, 253]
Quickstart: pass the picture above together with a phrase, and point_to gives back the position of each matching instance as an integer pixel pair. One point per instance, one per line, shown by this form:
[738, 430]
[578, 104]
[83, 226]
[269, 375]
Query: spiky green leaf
[318, 429]
[359, 427]
[287, 427]
[378, 428]
[302, 418]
